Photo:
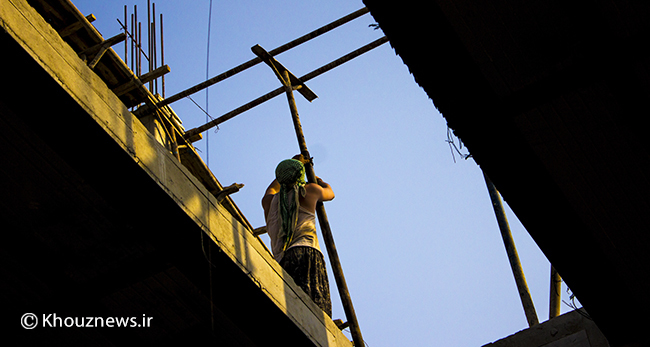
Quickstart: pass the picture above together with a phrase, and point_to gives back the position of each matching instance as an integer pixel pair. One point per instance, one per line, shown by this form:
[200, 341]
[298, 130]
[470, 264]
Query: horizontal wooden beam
[152, 75]
[72, 28]
[109, 42]
[231, 189]
[260, 231]
[136, 82]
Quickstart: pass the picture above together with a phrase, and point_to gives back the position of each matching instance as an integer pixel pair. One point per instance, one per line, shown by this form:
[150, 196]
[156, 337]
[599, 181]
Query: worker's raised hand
[302, 159]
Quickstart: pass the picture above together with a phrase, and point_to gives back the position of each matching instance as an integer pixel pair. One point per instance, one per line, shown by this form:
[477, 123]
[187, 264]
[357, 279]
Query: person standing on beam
[289, 209]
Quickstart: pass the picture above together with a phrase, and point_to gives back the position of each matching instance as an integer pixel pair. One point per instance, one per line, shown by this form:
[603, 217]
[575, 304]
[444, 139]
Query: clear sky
[415, 230]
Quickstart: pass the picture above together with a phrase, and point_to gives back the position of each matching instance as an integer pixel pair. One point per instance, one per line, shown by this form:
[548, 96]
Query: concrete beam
[572, 329]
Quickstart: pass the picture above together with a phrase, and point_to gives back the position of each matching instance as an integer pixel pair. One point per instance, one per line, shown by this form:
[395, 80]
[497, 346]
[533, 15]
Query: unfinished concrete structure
[104, 215]
[77, 163]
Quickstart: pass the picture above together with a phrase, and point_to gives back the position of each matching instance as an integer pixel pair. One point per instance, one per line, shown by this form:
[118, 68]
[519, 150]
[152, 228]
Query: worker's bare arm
[321, 189]
[273, 189]
[328, 193]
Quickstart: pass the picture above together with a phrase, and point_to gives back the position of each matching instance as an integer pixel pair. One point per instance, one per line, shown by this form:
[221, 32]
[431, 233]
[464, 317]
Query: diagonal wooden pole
[513, 257]
[323, 221]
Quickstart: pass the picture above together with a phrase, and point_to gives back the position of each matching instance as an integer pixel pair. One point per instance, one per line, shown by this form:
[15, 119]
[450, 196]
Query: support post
[513, 257]
[101, 48]
[323, 221]
[555, 296]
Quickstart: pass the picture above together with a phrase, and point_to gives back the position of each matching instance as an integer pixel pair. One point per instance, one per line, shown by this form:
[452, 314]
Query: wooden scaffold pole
[289, 82]
[513, 257]
[555, 295]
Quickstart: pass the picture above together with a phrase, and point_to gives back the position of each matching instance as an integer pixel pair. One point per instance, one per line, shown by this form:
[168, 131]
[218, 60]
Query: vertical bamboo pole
[323, 221]
[513, 257]
[555, 294]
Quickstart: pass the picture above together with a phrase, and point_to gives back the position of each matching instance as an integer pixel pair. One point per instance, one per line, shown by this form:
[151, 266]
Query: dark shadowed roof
[549, 98]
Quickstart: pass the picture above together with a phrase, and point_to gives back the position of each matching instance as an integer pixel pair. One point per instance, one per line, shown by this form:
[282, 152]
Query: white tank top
[304, 235]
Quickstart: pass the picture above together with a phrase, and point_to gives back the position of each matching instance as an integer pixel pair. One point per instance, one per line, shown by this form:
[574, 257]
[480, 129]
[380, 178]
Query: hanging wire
[207, 155]
[452, 146]
[206, 114]
[574, 306]
[200, 108]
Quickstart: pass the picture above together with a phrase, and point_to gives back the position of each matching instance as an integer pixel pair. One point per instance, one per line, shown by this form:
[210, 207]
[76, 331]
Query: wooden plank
[278, 68]
[76, 26]
[103, 45]
[136, 82]
[260, 231]
[152, 75]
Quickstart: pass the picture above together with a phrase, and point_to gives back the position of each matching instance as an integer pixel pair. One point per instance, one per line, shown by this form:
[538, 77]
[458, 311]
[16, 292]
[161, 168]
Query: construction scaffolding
[289, 83]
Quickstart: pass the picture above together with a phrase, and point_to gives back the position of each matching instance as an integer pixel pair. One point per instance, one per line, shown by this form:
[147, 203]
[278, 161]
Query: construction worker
[289, 208]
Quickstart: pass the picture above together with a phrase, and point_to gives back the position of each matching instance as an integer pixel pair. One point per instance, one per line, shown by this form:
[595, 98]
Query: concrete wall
[571, 329]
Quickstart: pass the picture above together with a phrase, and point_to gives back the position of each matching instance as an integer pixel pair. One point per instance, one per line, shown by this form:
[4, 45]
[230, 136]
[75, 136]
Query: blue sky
[415, 231]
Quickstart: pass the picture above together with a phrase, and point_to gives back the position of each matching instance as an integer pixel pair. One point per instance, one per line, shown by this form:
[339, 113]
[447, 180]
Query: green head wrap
[290, 174]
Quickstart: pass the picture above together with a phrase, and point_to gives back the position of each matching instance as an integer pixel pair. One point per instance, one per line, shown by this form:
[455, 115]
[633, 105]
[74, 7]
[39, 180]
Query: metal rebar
[153, 41]
[136, 33]
[162, 54]
[149, 41]
[132, 41]
[126, 42]
[257, 60]
[513, 257]
[139, 45]
[280, 90]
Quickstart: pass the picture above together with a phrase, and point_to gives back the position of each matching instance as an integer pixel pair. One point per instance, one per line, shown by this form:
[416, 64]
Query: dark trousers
[307, 268]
